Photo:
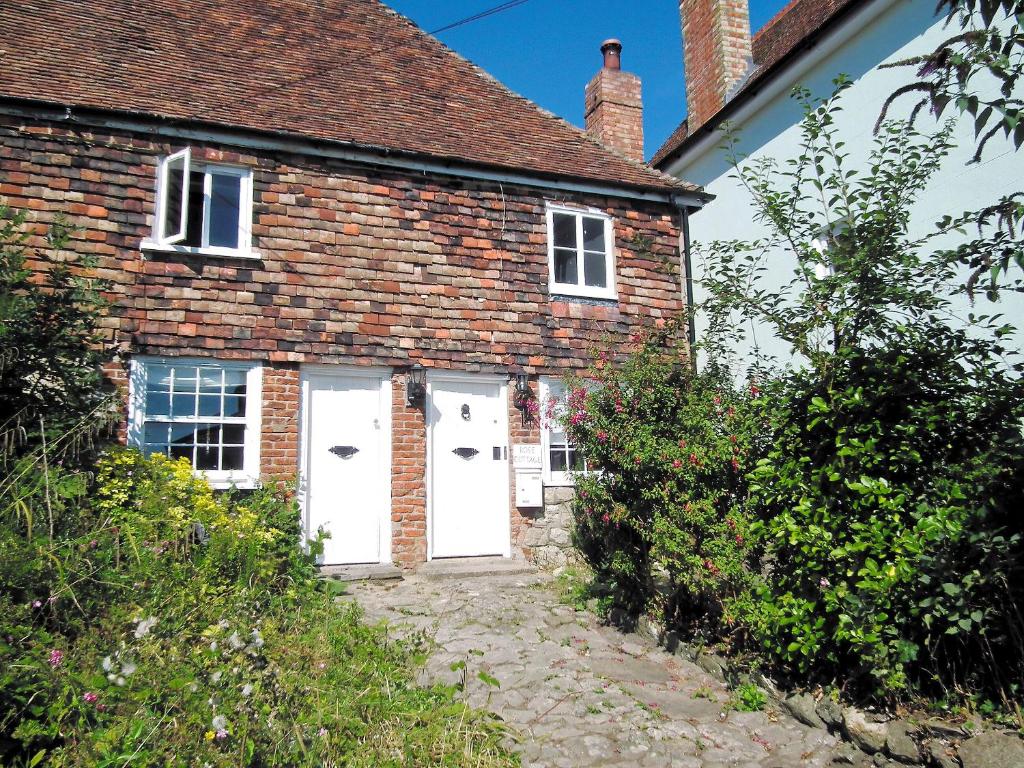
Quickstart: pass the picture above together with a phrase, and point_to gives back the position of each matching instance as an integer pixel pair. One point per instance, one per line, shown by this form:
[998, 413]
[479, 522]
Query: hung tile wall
[356, 266]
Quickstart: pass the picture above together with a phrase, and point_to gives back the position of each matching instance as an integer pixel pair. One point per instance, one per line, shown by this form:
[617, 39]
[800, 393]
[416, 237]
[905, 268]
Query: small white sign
[527, 456]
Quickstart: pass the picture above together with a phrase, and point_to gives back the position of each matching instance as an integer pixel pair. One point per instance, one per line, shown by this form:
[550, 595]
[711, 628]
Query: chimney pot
[612, 50]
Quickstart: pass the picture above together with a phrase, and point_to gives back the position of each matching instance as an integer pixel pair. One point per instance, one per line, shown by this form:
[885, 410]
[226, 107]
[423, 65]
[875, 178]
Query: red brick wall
[408, 478]
[279, 438]
[520, 433]
[716, 52]
[356, 266]
[614, 112]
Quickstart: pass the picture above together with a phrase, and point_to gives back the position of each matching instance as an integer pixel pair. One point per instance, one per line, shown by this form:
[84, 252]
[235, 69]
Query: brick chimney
[716, 52]
[614, 109]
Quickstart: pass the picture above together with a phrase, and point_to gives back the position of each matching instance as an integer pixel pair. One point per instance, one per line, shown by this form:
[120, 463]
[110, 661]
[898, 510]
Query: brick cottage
[341, 253]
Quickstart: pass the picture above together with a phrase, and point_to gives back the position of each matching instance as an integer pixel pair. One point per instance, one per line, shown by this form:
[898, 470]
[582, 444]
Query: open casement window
[205, 411]
[174, 197]
[561, 458]
[204, 207]
[580, 253]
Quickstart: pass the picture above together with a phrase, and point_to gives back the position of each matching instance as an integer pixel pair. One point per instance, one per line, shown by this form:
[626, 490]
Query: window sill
[224, 481]
[561, 289]
[187, 250]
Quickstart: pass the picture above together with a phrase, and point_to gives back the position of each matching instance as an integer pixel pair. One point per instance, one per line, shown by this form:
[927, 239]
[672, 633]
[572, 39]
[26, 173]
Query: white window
[561, 458]
[203, 410]
[580, 258]
[202, 208]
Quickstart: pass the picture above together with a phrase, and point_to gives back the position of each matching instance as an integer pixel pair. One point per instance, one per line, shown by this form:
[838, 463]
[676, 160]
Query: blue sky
[547, 50]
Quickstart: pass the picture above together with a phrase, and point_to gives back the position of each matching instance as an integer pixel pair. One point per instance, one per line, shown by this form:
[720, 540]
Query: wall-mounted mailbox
[529, 488]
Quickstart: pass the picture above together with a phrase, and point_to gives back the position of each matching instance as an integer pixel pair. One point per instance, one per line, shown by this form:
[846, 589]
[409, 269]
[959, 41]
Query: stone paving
[579, 693]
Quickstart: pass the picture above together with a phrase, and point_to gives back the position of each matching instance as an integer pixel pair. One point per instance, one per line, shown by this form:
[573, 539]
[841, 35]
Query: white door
[347, 483]
[469, 485]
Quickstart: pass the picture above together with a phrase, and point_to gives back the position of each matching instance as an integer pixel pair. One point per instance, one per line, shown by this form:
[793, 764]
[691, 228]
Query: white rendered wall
[770, 127]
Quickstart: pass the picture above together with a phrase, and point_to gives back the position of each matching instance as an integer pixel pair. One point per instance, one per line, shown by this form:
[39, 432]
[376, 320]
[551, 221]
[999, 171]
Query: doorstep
[468, 567]
[371, 572]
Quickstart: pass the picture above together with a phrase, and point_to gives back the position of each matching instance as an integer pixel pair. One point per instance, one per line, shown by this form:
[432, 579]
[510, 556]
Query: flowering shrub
[664, 516]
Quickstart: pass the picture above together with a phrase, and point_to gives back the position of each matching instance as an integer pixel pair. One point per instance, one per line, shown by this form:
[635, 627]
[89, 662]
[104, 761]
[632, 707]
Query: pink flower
[90, 698]
[718, 400]
[322, 733]
[739, 539]
[824, 583]
[754, 390]
[56, 658]
[606, 517]
[677, 464]
[735, 465]
[221, 735]
[637, 461]
[37, 603]
[602, 436]
[693, 459]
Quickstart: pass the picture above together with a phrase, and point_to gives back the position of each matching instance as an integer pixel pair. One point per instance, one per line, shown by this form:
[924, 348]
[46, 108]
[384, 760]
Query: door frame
[436, 376]
[381, 375]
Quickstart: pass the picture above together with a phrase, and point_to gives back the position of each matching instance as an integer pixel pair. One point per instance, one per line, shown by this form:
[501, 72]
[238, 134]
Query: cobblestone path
[579, 693]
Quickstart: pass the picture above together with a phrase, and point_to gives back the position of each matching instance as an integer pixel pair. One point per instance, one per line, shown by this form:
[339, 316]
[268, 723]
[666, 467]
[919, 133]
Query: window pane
[565, 266]
[594, 272]
[183, 405]
[155, 433]
[210, 380]
[576, 460]
[206, 458]
[209, 405]
[565, 230]
[593, 235]
[194, 228]
[158, 404]
[234, 406]
[232, 458]
[182, 434]
[557, 456]
[225, 203]
[234, 382]
[175, 183]
[208, 434]
[233, 434]
[158, 378]
[185, 380]
[181, 452]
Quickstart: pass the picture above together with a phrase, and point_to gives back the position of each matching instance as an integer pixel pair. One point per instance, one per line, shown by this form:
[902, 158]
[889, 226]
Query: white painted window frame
[580, 288]
[550, 477]
[247, 477]
[171, 244]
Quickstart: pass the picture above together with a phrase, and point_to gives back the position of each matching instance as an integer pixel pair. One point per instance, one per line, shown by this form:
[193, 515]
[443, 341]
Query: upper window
[202, 207]
[561, 458]
[580, 253]
[205, 411]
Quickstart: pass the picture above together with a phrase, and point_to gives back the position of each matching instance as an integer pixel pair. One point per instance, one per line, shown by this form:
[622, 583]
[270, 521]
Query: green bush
[665, 520]
[888, 501]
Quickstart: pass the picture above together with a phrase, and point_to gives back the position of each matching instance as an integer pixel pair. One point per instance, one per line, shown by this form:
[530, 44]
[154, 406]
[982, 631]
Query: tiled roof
[350, 71]
[783, 37]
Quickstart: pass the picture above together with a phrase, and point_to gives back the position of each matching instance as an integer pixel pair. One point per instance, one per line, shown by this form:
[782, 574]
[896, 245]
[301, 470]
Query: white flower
[119, 680]
[215, 677]
[144, 626]
[220, 723]
[246, 689]
[213, 646]
[235, 641]
[128, 668]
[108, 665]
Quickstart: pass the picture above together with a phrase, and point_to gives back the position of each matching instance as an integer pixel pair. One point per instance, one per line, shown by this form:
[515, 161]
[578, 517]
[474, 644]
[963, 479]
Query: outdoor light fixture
[522, 385]
[523, 397]
[416, 386]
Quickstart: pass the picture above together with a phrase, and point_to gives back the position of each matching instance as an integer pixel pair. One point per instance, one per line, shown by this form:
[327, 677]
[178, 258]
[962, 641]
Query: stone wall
[548, 539]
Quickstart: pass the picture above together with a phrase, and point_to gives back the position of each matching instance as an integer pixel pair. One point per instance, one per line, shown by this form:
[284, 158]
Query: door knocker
[465, 412]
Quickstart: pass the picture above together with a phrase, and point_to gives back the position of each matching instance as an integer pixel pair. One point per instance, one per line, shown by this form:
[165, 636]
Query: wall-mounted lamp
[523, 399]
[416, 386]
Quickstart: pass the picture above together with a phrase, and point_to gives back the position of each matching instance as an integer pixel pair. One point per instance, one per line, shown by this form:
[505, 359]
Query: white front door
[347, 487]
[469, 480]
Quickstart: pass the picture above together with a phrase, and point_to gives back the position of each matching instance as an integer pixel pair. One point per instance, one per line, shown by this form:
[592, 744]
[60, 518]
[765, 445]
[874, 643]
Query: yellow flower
[210, 735]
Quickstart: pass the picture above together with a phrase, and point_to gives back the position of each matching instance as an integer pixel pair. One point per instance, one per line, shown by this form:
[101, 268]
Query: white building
[748, 82]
